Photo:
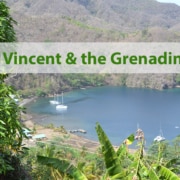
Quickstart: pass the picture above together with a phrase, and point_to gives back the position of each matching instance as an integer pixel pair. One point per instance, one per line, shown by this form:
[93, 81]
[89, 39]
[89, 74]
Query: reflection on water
[61, 111]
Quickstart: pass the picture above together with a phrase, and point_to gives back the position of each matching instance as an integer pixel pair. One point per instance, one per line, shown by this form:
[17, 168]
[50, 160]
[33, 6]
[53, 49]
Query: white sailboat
[160, 137]
[55, 101]
[61, 106]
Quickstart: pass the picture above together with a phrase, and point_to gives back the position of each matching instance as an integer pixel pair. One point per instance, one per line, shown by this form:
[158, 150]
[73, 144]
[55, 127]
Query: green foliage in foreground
[139, 167]
[63, 166]
[56, 162]
[11, 130]
[112, 162]
[11, 133]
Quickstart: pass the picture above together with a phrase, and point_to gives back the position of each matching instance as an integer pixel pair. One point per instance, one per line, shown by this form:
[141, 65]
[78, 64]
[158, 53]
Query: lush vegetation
[48, 84]
[7, 33]
[11, 133]
[43, 85]
[121, 164]
[56, 161]
[48, 161]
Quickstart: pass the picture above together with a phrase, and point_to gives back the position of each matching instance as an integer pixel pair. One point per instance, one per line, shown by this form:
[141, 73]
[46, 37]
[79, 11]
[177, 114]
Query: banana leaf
[62, 166]
[113, 165]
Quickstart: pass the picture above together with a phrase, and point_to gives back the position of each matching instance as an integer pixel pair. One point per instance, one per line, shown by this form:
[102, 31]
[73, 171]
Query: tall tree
[11, 132]
[7, 33]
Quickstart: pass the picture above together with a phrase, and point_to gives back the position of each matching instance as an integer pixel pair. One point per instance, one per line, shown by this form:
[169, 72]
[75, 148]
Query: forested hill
[46, 84]
[94, 21]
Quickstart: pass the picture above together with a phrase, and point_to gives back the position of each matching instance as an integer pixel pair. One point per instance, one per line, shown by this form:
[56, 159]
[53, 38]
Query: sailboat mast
[57, 99]
[137, 125]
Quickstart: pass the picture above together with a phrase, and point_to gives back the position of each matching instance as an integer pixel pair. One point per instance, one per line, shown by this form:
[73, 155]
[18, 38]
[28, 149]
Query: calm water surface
[119, 110]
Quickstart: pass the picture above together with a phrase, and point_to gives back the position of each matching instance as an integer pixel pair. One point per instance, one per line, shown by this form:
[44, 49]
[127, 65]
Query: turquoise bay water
[119, 110]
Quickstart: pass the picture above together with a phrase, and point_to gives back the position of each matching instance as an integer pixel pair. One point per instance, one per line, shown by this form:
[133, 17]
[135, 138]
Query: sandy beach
[51, 133]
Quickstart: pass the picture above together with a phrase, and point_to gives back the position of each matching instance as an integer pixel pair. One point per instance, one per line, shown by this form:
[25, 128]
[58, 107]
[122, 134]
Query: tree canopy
[7, 33]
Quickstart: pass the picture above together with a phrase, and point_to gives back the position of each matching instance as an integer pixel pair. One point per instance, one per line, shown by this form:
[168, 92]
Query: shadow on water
[78, 100]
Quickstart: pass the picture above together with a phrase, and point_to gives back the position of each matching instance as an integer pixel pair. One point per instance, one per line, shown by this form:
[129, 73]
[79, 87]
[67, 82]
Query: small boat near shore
[55, 101]
[61, 106]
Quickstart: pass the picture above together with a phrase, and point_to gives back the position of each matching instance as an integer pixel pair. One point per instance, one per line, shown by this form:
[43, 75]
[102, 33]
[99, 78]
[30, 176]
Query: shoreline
[27, 101]
[68, 139]
[51, 133]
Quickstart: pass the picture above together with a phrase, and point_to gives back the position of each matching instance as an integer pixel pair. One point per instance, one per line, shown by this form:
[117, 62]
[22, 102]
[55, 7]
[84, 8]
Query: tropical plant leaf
[130, 139]
[166, 173]
[121, 150]
[124, 155]
[152, 174]
[112, 162]
[120, 176]
[62, 166]
[172, 162]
